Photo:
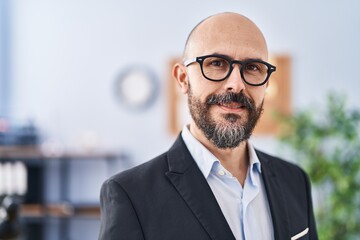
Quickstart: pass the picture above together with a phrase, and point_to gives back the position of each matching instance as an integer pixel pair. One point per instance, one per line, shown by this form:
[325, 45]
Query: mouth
[231, 102]
[232, 106]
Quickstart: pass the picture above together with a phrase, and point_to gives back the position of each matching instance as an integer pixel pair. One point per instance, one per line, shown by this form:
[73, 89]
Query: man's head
[225, 102]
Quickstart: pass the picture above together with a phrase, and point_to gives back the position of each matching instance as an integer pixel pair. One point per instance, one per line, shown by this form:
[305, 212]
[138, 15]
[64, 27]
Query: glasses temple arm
[187, 62]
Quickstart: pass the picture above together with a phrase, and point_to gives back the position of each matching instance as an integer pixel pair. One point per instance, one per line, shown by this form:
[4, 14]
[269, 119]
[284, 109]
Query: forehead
[232, 35]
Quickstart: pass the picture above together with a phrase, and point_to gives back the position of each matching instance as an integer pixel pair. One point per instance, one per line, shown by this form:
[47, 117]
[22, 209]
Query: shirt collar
[255, 166]
[206, 161]
[254, 160]
[202, 156]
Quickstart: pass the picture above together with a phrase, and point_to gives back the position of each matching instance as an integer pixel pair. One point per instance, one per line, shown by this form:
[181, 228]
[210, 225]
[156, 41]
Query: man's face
[232, 127]
[227, 111]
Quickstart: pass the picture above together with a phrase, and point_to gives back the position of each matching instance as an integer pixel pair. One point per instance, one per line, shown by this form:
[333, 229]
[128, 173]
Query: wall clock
[136, 87]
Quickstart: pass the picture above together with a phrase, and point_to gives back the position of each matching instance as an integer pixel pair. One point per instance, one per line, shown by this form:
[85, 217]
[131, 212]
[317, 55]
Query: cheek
[262, 97]
[257, 94]
[202, 88]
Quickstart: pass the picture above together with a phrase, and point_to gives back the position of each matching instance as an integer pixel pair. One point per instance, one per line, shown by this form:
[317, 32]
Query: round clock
[136, 87]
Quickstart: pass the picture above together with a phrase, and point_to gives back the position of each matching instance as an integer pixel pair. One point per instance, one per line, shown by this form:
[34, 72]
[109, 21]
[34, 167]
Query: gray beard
[232, 132]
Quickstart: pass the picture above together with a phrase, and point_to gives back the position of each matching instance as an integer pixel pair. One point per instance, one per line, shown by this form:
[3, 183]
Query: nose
[234, 82]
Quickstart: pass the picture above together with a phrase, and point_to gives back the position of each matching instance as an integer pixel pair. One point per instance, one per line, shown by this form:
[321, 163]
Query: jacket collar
[187, 178]
[275, 194]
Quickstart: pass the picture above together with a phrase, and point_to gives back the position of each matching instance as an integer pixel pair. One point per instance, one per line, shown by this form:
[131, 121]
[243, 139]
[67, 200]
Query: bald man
[212, 183]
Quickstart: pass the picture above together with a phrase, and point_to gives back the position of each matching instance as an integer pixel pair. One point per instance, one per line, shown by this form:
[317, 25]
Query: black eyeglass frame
[201, 59]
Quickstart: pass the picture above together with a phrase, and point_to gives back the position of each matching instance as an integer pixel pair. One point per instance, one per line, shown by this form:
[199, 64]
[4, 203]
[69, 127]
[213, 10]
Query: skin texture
[239, 38]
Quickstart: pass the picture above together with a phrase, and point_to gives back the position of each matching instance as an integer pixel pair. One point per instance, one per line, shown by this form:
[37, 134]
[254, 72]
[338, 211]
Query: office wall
[65, 56]
[4, 58]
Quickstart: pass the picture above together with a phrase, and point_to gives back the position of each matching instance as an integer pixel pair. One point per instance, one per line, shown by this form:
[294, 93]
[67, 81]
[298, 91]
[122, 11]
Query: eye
[253, 67]
[216, 62]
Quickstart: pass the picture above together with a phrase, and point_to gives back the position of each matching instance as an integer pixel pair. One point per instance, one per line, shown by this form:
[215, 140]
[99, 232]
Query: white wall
[4, 69]
[66, 55]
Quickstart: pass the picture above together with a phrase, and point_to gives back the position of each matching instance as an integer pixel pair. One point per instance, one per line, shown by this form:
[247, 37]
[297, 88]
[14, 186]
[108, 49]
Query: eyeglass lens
[217, 68]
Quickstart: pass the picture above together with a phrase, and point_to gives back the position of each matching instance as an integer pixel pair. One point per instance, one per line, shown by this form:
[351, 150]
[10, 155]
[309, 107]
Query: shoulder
[280, 167]
[142, 173]
[268, 159]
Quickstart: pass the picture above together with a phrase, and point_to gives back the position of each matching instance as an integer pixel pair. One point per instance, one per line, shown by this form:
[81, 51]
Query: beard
[234, 128]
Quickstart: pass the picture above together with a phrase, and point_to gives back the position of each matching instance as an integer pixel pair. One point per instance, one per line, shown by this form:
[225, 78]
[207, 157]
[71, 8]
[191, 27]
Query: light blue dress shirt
[245, 208]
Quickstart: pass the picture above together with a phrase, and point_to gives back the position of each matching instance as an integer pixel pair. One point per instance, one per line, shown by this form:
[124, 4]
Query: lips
[231, 101]
[232, 105]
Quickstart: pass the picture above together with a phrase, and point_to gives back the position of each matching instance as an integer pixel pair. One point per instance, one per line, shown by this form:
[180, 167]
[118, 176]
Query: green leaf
[327, 144]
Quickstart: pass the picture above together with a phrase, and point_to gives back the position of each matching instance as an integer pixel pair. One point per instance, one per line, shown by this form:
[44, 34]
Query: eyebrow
[232, 59]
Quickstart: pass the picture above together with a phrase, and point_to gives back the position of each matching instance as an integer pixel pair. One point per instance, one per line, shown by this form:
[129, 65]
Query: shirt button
[221, 173]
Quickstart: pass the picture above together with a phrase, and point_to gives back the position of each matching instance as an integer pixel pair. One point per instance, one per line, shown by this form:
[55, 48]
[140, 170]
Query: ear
[179, 73]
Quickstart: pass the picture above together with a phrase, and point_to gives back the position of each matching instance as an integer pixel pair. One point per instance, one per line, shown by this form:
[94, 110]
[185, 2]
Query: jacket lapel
[275, 196]
[190, 183]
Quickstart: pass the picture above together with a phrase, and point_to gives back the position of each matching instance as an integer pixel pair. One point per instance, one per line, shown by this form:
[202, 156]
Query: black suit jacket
[168, 198]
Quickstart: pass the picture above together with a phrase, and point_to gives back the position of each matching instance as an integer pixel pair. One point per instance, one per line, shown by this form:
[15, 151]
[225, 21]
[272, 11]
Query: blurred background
[85, 90]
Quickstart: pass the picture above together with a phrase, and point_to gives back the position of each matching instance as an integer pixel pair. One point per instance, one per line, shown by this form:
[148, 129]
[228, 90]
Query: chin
[230, 119]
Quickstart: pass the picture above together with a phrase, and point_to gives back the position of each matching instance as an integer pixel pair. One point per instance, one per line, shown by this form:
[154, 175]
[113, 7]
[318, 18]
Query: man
[212, 183]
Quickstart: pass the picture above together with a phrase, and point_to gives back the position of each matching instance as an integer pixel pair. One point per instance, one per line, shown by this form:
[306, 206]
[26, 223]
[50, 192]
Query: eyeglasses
[218, 68]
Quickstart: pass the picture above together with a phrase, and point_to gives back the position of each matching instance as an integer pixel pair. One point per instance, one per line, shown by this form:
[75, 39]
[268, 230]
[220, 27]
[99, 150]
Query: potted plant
[327, 145]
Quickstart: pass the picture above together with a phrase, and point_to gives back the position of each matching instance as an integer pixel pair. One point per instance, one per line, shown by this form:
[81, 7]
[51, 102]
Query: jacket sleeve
[119, 219]
[312, 225]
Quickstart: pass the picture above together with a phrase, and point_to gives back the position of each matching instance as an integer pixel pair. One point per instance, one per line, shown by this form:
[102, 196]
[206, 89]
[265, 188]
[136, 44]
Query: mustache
[229, 97]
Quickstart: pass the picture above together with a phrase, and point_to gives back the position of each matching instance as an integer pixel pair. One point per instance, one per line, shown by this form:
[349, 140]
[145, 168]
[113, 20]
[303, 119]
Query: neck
[235, 160]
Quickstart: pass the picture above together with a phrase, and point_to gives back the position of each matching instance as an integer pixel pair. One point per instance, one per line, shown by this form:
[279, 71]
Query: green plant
[327, 145]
